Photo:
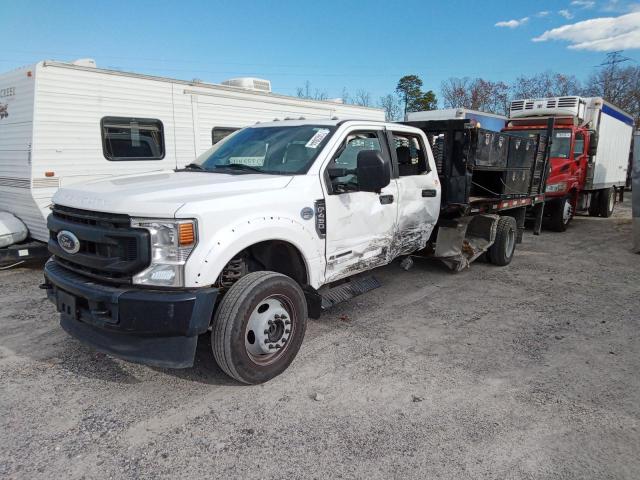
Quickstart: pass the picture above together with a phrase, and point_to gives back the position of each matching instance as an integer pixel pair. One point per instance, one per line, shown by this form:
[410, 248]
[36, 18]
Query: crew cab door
[360, 226]
[418, 190]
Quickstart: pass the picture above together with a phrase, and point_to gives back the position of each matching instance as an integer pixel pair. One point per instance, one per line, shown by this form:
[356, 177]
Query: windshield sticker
[317, 138]
[563, 135]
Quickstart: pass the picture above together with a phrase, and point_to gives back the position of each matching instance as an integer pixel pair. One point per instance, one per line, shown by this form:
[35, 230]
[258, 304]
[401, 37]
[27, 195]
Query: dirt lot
[527, 371]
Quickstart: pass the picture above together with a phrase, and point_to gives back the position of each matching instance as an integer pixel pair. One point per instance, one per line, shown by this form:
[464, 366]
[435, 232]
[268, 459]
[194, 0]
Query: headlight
[171, 244]
[557, 187]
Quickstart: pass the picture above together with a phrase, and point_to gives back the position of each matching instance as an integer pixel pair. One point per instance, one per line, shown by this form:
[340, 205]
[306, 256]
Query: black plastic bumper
[154, 327]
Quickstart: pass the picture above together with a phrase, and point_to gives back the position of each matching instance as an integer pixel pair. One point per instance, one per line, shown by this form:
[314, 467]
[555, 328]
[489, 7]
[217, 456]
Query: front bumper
[154, 327]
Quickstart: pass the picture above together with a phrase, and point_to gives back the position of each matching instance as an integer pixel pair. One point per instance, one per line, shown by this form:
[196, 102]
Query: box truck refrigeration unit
[488, 121]
[589, 152]
[69, 123]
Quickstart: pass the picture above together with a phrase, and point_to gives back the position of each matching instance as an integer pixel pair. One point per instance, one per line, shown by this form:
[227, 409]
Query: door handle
[386, 199]
[429, 193]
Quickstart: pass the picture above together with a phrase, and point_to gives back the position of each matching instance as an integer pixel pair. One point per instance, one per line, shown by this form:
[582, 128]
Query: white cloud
[583, 3]
[512, 23]
[599, 34]
[566, 14]
[543, 13]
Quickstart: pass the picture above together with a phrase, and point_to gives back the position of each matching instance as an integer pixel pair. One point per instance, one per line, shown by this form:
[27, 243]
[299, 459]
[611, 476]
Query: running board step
[348, 290]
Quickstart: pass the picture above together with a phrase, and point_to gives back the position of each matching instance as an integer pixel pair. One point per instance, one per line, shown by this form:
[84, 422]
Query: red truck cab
[569, 162]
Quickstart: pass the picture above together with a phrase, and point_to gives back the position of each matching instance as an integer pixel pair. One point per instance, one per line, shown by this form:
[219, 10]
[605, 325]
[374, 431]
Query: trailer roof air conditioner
[553, 106]
[249, 83]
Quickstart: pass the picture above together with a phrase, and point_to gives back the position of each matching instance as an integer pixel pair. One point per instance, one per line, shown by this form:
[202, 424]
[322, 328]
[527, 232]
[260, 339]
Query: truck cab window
[346, 160]
[132, 139]
[410, 154]
[578, 148]
[218, 133]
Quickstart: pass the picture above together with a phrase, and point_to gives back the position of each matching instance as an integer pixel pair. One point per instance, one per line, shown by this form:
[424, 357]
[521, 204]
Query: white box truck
[68, 123]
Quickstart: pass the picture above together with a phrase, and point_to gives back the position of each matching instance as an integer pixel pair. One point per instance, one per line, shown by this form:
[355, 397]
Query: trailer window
[410, 154]
[127, 139]
[218, 133]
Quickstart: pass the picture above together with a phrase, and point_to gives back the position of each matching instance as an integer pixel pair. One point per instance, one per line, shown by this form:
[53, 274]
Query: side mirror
[593, 143]
[373, 173]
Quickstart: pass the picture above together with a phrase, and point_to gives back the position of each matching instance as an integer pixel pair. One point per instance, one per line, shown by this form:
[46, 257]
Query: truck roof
[333, 122]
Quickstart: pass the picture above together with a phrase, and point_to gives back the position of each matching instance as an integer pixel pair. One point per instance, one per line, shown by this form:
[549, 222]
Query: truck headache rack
[483, 171]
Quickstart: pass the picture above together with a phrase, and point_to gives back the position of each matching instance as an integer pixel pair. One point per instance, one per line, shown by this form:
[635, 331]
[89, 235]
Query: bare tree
[456, 92]
[362, 98]
[392, 106]
[476, 94]
[345, 95]
[617, 84]
[547, 84]
[305, 92]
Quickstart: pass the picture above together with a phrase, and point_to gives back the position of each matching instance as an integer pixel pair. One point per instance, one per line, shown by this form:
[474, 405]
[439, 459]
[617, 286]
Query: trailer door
[418, 191]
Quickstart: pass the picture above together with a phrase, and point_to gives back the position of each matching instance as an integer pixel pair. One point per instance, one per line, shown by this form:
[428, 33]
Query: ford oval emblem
[306, 213]
[68, 241]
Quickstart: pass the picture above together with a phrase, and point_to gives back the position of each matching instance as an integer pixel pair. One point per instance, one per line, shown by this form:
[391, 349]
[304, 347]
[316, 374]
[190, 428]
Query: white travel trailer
[69, 123]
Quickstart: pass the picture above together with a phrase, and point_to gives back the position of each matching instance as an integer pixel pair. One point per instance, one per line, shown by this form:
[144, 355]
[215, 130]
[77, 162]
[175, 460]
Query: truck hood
[161, 194]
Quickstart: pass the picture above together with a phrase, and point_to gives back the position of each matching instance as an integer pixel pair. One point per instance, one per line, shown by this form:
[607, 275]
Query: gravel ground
[528, 371]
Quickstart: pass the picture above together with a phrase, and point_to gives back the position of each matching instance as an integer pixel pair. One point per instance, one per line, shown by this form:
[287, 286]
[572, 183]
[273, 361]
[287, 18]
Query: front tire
[504, 246]
[561, 215]
[259, 326]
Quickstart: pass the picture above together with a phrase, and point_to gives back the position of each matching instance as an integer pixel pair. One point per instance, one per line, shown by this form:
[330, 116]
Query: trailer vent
[553, 106]
[249, 83]
[568, 102]
[14, 182]
[46, 183]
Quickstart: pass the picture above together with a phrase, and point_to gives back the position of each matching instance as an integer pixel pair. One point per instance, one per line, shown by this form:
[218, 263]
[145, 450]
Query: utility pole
[610, 65]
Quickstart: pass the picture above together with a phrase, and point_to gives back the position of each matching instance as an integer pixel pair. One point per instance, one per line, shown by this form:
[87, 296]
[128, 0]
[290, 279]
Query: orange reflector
[49, 174]
[186, 235]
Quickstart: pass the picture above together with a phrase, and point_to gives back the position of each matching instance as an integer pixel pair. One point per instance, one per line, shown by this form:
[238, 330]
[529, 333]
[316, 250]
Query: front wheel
[561, 215]
[259, 326]
[501, 252]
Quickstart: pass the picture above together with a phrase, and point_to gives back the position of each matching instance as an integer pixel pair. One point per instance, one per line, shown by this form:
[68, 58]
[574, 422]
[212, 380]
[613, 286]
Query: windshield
[561, 146]
[286, 150]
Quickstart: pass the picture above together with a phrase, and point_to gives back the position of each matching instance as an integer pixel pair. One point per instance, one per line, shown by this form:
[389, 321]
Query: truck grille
[110, 249]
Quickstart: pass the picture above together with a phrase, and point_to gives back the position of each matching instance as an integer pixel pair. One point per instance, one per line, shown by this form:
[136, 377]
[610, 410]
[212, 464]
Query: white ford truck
[260, 232]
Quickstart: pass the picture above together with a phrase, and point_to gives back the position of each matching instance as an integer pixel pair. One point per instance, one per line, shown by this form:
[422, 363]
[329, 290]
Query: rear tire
[607, 202]
[243, 345]
[503, 248]
[561, 215]
[594, 204]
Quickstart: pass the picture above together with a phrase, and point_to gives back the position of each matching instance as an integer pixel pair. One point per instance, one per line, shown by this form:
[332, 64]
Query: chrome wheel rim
[510, 243]
[567, 212]
[269, 329]
[612, 200]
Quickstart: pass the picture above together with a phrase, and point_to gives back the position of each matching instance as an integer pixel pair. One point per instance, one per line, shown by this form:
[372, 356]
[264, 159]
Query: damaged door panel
[360, 225]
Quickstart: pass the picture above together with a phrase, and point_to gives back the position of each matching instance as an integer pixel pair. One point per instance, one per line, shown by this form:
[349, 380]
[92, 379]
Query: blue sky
[333, 44]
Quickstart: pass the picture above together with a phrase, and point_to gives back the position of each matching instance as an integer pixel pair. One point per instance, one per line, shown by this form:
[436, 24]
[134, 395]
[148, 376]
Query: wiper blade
[193, 166]
[241, 166]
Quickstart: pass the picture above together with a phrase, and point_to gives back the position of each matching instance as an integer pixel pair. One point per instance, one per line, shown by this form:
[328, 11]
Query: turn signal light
[186, 234]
